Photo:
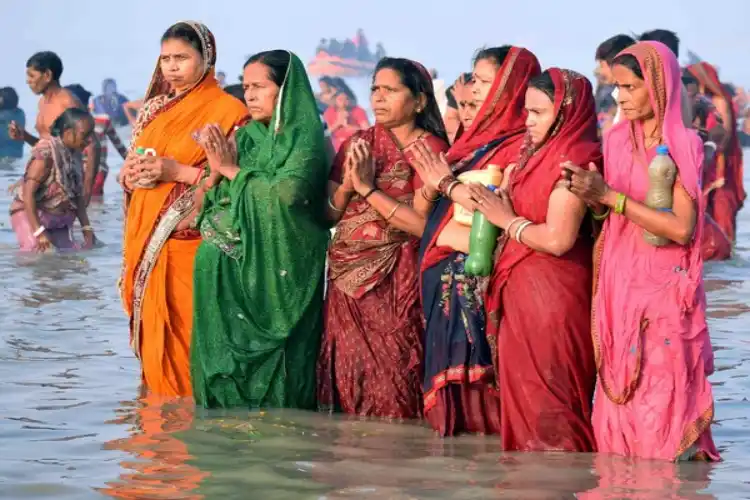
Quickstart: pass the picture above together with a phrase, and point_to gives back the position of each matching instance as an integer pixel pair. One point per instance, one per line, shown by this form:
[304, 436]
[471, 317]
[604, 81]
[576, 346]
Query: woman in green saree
[259, 273]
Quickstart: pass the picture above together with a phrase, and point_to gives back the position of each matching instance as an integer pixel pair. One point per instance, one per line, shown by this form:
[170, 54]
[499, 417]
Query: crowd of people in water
[587, 332]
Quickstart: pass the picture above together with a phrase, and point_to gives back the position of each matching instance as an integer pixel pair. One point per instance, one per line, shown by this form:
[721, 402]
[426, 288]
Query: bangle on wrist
[370, 193]
[620, 201]
[39, 231]
[87, 229]
[333, 207]
[602, 216]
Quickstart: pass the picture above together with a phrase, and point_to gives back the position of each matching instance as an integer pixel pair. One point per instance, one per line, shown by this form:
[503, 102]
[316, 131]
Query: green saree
[259, 272]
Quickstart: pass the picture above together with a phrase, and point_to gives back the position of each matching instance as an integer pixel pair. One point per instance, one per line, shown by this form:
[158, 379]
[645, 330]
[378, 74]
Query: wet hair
[629, 61]
[610, 47]
[236, 90]
[80, 93]
[668, 38]
[418, 82]
[46, 61]
[277, 62]
[9, 98]
[186, 33]
[495, 54]
[68, 120]
[544, 84]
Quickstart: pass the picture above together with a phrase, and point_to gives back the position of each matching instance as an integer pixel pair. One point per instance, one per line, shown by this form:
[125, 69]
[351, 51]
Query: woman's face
[261, 92]
[342, 101]
[483, 78]
[633, 96]
[181, 64]
[467, 107]
[79, 136]
[324, 87]
[392, 102]
[38, 81]
[541, 115]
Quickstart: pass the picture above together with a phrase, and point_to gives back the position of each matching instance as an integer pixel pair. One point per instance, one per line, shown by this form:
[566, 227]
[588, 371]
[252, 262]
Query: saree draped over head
[726, 201]
[538, 305]
[157, 276]
[651, 341]
[370, 362]
[458, 364]
[55, 196]
[259, 273]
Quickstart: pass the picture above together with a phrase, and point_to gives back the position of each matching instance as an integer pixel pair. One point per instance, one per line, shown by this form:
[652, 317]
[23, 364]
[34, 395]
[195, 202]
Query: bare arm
[117, 142]
[90, 167]
[397, 214]
[677, 225]
[339, 196]
[37, 171]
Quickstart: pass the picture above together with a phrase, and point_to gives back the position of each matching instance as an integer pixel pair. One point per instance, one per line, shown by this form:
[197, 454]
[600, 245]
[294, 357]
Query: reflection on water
[72, 426]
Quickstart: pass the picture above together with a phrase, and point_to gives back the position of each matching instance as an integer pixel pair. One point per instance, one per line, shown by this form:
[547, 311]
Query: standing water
[72, 425]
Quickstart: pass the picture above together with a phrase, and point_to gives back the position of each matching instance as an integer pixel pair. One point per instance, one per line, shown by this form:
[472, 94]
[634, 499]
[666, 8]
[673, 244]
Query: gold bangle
[620, 202]
[87, 229]
[451, 187]
[333, 207]
[520, 229]
[393, 212]
[510, 226]
[600, 217]
[431, 200]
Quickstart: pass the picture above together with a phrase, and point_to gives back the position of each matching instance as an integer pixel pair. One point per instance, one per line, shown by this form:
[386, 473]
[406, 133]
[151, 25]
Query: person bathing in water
[43, 72]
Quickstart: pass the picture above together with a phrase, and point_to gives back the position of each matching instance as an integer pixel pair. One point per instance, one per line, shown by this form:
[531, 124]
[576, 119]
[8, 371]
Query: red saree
[459, 372]
[725, 202]
[370, 362]
[539, 305]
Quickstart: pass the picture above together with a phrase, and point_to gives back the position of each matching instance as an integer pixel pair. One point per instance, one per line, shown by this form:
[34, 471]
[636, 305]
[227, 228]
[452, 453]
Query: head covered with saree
[708, 79]
[502, 114]
[572, 137]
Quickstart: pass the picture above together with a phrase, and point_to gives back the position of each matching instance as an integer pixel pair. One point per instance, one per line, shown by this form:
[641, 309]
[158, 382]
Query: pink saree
[651, 341]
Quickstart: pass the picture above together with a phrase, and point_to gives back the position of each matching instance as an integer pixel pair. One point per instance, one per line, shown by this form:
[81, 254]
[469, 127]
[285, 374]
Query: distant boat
[351, 58]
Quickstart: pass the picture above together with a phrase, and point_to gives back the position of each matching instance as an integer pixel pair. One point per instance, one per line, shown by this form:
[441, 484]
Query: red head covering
[574, 138]
[708, 78]
[502, 115]
[503, 112]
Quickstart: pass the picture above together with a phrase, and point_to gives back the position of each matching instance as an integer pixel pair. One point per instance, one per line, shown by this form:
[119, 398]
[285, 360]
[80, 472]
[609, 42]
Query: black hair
[46, 61]
[277, 62]
[450, 92]
[668, 38]
[326, 79]
[340, 86]
[418, 81]
[236, 90]
[186, 33]
[688, 78]
[610, 47]
[80, 93]
[545, 84]
[9, 98]
[495, 54]
[68, 120]
[629, 61]
[730, 88]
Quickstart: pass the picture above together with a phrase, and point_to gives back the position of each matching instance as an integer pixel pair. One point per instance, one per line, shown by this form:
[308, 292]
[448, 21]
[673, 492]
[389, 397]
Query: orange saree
[157, 276]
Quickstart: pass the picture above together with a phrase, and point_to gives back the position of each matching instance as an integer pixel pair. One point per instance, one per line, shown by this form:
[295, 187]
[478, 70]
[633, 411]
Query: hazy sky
[98, 39]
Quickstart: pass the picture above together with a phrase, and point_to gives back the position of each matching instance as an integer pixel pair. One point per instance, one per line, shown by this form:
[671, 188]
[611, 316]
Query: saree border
[175, 214]
[453, 375]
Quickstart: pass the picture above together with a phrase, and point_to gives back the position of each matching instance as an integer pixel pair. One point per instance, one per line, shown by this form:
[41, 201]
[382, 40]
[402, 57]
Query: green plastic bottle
[482, 243]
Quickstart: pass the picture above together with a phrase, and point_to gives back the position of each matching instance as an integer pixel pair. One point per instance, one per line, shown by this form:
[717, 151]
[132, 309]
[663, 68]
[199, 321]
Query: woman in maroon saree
[370, 362]
[459, 372]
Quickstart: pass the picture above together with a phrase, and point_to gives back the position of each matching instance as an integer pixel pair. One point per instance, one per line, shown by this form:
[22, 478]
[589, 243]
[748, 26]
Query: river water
[72, 425]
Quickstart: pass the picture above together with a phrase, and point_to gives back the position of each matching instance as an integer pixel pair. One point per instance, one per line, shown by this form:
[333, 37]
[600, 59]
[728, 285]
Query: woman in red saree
[728, 194]
[537, 300]
[370, 362]
[652, 345]
[159, 243]
[459, 373]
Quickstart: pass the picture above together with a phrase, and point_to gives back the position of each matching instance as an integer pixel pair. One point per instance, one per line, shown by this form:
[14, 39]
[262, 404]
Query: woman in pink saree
[651, 341]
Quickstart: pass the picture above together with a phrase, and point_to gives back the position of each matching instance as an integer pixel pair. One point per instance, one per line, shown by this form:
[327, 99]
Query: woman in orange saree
[160, 243]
